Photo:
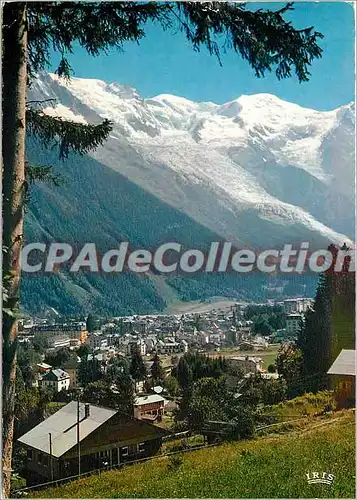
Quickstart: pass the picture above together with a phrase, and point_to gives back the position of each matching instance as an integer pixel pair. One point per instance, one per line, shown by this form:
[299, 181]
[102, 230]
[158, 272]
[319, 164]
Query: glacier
[257, 171]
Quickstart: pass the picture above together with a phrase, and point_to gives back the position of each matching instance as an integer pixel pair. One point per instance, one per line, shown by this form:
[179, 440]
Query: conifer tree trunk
[14, 73]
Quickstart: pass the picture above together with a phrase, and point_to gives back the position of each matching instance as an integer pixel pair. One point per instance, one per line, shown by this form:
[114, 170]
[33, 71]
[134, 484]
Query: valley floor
[196, 307]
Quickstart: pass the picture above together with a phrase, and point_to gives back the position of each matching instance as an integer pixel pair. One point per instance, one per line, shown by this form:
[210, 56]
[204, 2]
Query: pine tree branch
[42, 173]
[261, 37]
[42, 101]
[68, 135]
[96, 26]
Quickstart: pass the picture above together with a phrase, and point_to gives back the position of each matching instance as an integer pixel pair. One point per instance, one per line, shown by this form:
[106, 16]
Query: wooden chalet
[106, 438]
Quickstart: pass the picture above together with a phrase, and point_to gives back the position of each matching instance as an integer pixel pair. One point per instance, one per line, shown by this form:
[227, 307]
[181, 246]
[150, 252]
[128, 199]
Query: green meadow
[271, 466]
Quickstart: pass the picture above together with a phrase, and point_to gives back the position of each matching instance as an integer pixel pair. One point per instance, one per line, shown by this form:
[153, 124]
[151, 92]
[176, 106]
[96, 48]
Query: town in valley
[111, 389]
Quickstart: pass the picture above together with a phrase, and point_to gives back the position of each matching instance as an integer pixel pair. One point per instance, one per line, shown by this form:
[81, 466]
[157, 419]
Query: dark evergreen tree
[198, 322]
[58, 358]
[98, 393]
[122, 384]
[171, 385]
[261, 325]
[315, 338]
[330, 325]
[137, 366]
[343, 291]
[92, 323]
[83, 351]
[157, 372]
[289, 363]
[89, 371]
[184, 374]
[115, 390]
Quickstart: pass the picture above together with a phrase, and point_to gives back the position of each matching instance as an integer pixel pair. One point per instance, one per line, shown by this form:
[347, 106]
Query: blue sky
[164, 63]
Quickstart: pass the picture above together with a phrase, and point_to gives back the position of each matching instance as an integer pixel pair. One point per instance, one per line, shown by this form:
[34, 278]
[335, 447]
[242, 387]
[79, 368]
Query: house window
[29, 454]
[104, 454]
[124, 451]
[141, 447]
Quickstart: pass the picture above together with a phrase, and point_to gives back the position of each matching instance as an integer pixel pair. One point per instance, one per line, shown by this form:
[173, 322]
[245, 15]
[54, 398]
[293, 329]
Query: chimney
[86, 410]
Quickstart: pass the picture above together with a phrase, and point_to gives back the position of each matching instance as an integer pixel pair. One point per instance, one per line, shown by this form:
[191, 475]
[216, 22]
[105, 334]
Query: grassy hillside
[273, 466]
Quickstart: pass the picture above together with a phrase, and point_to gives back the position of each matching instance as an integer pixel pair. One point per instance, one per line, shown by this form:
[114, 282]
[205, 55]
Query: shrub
[182, 445]
[244, 424]
[175, 462]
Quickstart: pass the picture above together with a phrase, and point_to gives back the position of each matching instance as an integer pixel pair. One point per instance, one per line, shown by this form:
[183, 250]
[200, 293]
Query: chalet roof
[152, 398]
[45, 366]
[344, 364]
[56, 375]
[63, 428]
[246, 358]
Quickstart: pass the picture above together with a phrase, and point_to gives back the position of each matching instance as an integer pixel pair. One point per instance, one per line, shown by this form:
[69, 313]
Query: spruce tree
[32, 30]
[234, 319]
[157, 371]
[91, 323]
[184, 374]
[315, 337]
[137, 366]
[343, 305]
[14, 73]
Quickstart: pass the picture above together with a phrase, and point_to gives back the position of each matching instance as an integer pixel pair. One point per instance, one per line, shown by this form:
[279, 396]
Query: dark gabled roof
[56, 375]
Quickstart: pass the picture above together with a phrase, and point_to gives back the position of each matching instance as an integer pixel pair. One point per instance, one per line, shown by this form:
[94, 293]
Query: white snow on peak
[60, 111]
[172, 100]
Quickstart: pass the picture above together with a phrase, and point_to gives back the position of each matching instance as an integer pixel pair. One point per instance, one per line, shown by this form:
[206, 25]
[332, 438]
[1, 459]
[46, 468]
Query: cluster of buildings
[54, 335]
[150, 344]
[165, 335]
[161, 334]
[295, 310]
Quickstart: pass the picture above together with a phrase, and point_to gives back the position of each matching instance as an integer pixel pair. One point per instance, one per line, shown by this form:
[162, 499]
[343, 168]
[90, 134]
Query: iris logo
[320, 478]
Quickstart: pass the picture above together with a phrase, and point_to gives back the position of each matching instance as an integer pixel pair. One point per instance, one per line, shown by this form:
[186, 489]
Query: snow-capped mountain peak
[253, 169]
